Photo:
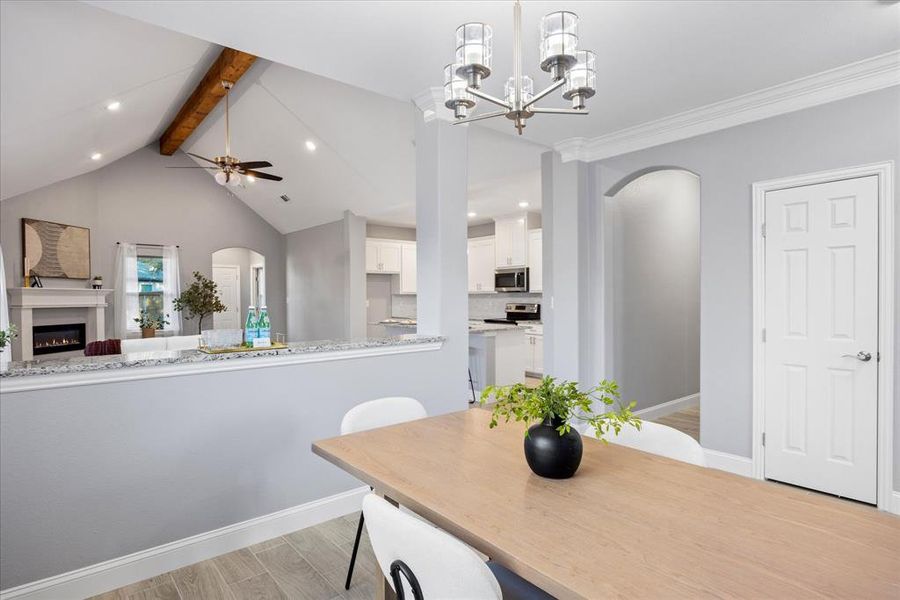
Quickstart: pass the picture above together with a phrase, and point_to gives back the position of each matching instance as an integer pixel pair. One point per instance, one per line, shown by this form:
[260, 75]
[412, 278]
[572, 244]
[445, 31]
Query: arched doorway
[652, 260]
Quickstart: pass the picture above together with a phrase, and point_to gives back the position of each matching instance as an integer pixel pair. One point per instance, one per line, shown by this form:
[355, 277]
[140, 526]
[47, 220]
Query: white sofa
[156, 344]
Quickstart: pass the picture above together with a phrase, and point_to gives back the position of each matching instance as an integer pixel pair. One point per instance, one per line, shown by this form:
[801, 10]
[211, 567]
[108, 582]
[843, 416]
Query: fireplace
[58, 338]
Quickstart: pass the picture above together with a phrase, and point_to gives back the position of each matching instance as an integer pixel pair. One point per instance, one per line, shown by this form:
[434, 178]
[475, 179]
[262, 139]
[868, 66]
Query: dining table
[629, 524]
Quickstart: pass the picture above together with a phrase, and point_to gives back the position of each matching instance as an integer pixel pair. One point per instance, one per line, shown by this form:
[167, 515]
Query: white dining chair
[659, 439]
[370, 415]
[419, 559]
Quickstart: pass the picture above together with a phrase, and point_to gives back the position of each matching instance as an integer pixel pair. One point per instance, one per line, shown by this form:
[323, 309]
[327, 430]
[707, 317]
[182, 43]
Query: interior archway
[652, 319]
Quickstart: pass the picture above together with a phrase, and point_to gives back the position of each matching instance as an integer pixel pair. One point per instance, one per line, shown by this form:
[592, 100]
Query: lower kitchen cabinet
[535, 354]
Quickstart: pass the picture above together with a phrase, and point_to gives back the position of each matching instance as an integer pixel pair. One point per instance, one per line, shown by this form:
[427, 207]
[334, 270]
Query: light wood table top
[629, 524]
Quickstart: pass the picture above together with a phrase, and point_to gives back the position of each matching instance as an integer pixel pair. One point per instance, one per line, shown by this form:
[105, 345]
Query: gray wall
[136, 199]
[326, 277]
[97, 472]
[859, 130]
[390, 232]
[243, 259]
[654, 224]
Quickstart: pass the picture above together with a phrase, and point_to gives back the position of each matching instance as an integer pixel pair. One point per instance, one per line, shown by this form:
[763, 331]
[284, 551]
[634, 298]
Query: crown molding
[431, 102]
[867, 75]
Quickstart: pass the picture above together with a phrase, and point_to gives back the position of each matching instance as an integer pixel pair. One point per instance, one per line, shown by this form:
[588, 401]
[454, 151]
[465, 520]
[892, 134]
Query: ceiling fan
[229, 168]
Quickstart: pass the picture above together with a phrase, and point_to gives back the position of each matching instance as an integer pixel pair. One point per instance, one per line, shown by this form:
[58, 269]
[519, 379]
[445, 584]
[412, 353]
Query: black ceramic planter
[552, 455]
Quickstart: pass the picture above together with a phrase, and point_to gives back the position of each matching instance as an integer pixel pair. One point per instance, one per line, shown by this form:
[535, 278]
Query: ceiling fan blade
[201, 158]
[256, 164]
[210, 168]
[260, 175]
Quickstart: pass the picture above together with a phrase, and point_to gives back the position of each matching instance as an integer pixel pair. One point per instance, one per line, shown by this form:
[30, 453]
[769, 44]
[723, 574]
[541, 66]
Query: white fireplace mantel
[24, 301]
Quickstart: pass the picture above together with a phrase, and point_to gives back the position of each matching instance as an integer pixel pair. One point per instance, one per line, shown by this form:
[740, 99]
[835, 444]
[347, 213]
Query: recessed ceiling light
[114, 105]
[250, 178]
[523, 205]
[96, 156]
[310, 145]
[473, 214]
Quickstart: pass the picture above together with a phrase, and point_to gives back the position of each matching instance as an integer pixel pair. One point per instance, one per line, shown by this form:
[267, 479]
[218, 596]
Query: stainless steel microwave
[511, 279]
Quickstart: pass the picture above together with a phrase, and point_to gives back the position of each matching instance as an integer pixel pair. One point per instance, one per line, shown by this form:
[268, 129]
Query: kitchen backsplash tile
[481, 306]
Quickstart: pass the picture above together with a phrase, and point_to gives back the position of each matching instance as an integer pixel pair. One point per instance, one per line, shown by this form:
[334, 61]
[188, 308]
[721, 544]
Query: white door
[503, 242]
[228, 280]
[538, 353]
[535, 260]
[371, 257]
[821, 337]
[519, 243]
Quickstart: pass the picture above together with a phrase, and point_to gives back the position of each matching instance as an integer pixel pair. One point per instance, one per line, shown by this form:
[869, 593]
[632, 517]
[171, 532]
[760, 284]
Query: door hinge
[764, 334]
[763, 230]
[764, 439]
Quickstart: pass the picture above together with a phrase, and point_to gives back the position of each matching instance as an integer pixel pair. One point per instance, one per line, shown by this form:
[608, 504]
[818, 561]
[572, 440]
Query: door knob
[861, 355]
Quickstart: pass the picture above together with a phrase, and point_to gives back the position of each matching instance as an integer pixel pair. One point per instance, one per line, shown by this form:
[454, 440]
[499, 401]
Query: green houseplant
[149, 324]
[552, 447]
[199, 300]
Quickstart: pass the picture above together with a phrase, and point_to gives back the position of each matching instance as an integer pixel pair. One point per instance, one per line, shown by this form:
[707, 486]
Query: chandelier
[570, 69]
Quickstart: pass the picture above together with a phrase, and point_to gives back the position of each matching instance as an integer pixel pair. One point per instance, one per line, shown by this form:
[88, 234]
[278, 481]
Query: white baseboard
[895, 503]
[118, 572]
[739, 465]
[667, 408]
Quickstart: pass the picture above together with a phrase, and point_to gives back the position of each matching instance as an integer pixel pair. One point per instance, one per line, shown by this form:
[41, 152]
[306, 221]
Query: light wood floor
[310, 564]
[687, 420]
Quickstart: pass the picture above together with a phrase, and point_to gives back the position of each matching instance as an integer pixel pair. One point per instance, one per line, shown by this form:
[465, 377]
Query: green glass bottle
[251, 327]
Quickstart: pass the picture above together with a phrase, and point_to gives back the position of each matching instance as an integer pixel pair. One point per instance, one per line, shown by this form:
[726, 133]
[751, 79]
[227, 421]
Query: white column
[355, 276]
[570, 311]
[442, 295]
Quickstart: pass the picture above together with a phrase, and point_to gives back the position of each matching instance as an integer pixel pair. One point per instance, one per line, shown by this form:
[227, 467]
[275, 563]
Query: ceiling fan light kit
[571, 69]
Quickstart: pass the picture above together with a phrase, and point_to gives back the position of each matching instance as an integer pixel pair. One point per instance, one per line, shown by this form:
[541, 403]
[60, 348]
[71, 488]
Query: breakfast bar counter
[82, 370]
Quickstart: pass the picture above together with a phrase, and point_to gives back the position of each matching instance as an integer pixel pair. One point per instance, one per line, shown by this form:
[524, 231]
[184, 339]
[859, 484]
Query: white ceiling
[655, 58]
[61, 63]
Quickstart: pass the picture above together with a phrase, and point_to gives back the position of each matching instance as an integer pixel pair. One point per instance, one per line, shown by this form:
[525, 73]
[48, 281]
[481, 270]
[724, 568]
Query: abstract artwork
[56, 250]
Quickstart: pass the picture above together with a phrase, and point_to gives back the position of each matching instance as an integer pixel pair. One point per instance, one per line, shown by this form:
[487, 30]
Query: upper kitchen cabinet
[481, 264]
[511, 239]
[407, 268]
[535, 260]
[383, 256]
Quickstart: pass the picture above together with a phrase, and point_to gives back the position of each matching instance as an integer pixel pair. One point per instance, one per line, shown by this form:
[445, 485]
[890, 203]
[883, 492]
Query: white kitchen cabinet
[481, 264]
[382, 256]
[535, 354]
[408, 268]
[511, 241]
[535, 260]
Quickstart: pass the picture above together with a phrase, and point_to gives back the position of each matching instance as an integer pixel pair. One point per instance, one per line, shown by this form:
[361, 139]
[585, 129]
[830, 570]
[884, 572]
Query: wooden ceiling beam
[229, 66]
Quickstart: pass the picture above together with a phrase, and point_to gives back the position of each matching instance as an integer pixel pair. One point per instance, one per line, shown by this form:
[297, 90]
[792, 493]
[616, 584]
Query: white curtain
[4, 309]
[171, 287]
[126, 307]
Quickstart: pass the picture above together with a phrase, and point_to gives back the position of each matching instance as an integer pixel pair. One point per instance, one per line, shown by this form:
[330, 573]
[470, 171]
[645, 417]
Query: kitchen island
[499, 353]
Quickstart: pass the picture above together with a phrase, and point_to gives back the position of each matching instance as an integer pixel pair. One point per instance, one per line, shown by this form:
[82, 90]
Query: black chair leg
[355, 550]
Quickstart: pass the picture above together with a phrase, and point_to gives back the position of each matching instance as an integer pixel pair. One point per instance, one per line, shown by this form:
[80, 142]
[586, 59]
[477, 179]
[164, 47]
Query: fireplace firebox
[49, 339]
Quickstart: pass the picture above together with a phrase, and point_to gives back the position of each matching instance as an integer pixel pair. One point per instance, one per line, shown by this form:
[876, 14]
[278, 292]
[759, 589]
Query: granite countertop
[83, 364]
[474, 326]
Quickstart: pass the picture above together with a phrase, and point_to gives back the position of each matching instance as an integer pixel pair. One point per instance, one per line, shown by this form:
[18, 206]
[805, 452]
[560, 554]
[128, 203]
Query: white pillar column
[441, 228]
[570, 313]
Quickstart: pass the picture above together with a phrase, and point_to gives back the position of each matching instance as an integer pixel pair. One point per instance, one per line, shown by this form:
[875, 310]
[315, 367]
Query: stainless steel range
[516, 312]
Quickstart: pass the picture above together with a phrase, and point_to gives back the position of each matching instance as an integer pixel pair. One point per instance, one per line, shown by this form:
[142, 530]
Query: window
[150, 285]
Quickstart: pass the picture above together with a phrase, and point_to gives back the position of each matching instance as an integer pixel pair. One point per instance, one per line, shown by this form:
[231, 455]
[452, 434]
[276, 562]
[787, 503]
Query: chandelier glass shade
[571, 70]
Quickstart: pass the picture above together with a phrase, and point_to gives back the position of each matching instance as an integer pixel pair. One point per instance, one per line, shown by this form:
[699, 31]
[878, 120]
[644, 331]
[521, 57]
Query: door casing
[885, 173]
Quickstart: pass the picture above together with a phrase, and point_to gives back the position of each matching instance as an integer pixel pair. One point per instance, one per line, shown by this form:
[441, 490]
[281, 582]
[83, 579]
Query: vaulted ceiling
[654, 58]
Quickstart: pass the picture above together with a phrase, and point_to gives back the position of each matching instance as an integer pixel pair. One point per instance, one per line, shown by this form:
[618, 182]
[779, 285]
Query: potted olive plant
[199, 300]
[552, 447]
[97, 282]
[149, 324]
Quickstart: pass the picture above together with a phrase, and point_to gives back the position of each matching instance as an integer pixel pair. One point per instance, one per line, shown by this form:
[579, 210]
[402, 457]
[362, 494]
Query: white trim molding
[667, 408]
[112, 574]
[732, 463]
[895, 503]
[886, 326]
[431, 102]
[867, 75]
